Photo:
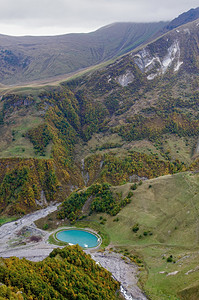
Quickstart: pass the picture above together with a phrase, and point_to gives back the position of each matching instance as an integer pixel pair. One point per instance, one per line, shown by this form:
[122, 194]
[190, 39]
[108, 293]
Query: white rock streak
[186, 30]
[154, 65]
[151, 76]
[144, 60]
[173, 273]
[177, 67]
[173, 53]
[125, 79]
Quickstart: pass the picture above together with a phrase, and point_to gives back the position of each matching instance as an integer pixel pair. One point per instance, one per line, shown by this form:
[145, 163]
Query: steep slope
[151, 96]
[24, 59]
[186, 17]
[149, 92]
[28, 58]
[137, 117]
[37, 127]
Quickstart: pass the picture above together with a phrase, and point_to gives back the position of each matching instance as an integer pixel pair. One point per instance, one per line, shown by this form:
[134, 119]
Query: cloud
[62, 16]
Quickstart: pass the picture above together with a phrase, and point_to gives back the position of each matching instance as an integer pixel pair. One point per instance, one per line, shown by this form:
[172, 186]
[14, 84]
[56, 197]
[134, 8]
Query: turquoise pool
[81, 237]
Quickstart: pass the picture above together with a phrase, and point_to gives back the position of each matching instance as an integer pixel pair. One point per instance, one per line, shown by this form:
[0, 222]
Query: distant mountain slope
[184, 18]
[24, 59]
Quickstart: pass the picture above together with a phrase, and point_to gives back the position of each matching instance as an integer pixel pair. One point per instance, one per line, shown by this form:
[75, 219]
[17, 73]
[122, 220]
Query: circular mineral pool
[83, 238]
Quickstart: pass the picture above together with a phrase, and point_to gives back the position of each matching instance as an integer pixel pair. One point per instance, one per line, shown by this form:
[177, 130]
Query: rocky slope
[26, 59]
[186, 17]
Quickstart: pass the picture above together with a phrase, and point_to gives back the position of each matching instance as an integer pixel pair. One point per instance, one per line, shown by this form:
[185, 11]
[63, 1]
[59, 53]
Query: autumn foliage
[67, 273]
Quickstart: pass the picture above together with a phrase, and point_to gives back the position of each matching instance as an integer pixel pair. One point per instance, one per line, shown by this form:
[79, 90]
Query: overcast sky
[50, 17]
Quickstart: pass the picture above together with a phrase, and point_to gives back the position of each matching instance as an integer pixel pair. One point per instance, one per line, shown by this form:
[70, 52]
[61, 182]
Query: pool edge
[89, 230]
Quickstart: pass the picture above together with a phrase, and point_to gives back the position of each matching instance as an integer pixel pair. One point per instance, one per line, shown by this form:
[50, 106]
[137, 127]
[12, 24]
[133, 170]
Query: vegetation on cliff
[23, 182]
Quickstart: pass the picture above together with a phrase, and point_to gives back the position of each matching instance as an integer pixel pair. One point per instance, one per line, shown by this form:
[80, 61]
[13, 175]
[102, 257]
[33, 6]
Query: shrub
[170, 258]
[35, 238]
[134, 186]
[135, 228]
[46, 226]
[130, 194]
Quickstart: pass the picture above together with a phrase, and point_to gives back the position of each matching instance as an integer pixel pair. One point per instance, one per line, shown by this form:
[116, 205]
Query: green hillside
[26, 59]
[157, 229]
[161, 221]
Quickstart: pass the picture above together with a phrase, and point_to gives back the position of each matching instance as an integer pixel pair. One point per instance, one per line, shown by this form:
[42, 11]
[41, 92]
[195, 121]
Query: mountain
[25, 59]
[101, 143]
[186, 17]
[56, 139]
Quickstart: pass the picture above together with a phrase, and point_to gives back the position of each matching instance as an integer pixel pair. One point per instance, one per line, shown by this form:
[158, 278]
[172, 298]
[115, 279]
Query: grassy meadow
[5, 219]
[165, 211]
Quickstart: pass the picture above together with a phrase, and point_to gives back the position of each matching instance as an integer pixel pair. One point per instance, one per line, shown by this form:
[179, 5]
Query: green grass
[168, 212]
[13, 142]
[53, 240]
[4, 219]
[46, 63]
[180, 148]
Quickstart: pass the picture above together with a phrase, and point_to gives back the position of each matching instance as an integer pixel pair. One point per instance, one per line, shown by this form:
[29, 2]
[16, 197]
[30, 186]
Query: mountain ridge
[24, 59]
[34, 58]
[184, 18]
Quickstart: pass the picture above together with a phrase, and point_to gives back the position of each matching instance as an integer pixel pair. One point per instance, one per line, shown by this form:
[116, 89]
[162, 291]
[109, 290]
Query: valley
[113, 149]
[167, 225]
